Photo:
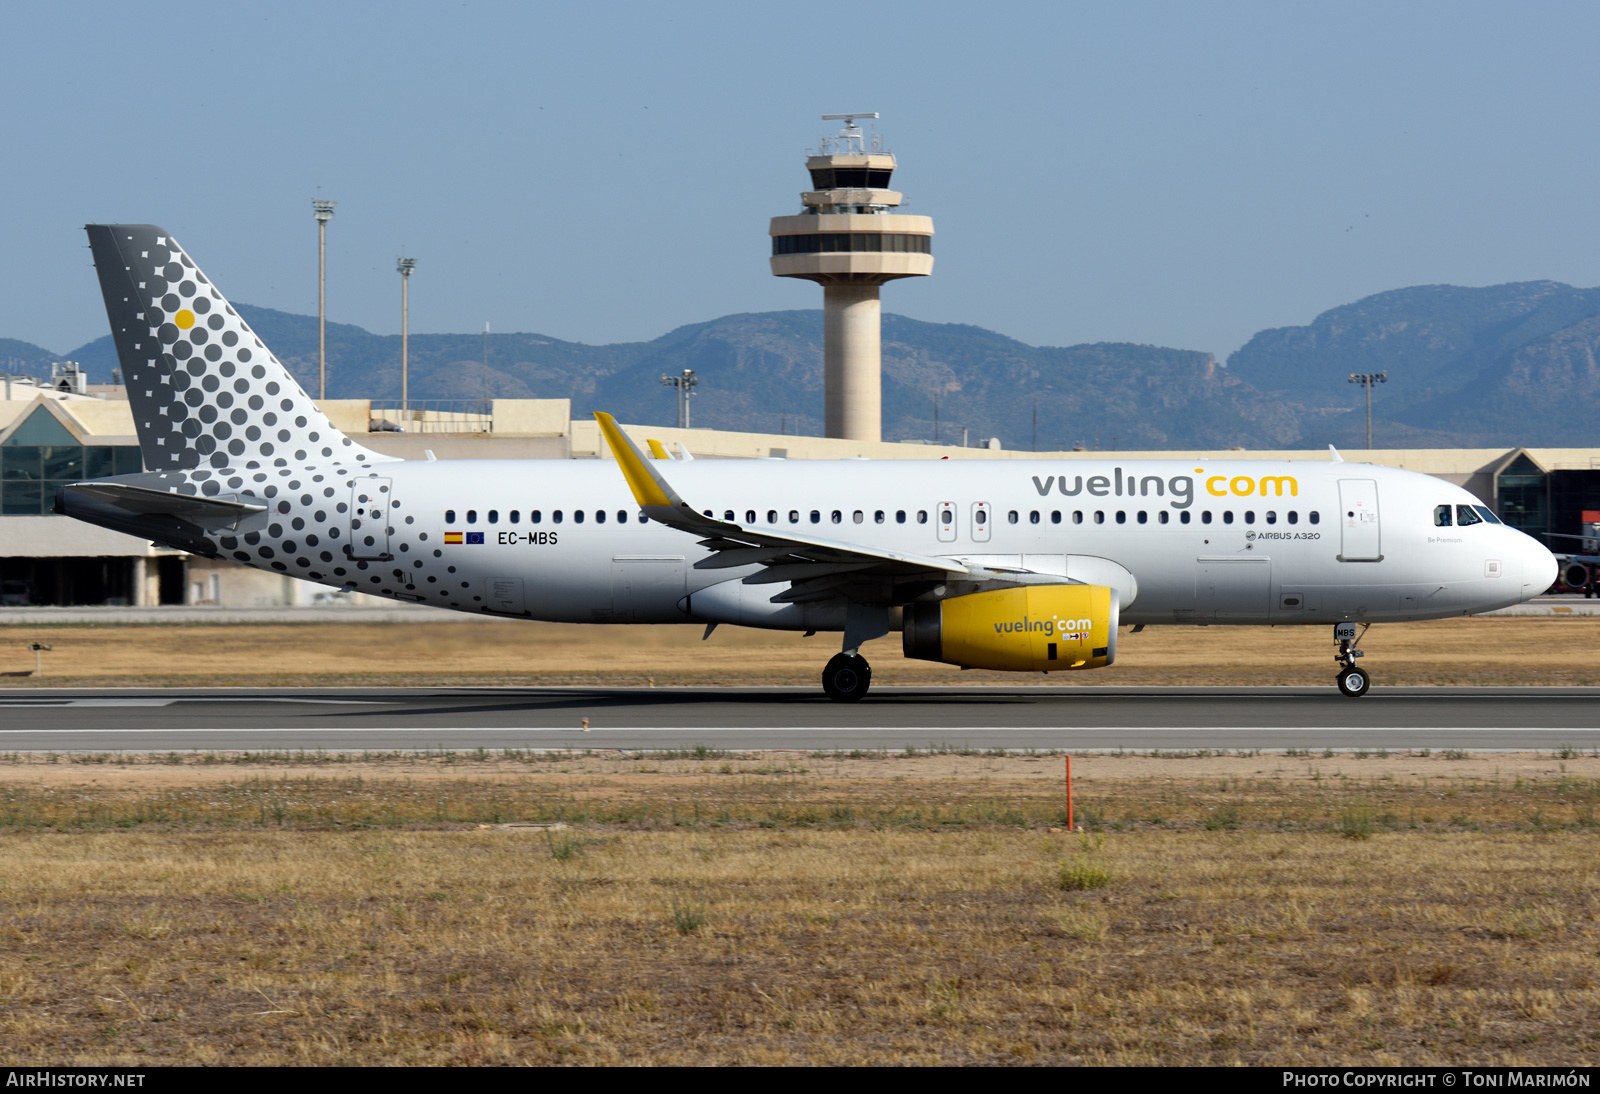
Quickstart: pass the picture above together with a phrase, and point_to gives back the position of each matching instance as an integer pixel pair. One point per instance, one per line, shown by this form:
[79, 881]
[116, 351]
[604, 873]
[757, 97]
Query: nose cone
[1539, 567]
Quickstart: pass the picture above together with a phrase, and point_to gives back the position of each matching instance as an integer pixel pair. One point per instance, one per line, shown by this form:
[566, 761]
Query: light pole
[405, 266]
[1366, 380]
[685, 385]
[323, 210]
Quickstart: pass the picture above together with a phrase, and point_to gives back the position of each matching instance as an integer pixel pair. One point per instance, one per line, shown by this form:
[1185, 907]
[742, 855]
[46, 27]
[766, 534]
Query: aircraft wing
[816, 568]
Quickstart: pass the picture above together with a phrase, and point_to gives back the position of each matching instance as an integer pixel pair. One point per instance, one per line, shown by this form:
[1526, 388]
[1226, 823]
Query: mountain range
[1514, 364]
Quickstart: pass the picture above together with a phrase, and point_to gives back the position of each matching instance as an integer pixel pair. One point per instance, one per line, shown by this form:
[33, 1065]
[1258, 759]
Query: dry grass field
[448, 653]
[794, 909]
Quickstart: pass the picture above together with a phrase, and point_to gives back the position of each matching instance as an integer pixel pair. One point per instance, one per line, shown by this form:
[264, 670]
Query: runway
[1086, 718]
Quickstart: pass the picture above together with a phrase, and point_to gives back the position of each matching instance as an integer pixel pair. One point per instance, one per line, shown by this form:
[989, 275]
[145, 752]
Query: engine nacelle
[1034, 628]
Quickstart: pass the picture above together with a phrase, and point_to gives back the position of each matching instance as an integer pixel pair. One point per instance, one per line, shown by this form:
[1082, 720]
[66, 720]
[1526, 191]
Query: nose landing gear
[1352, 681]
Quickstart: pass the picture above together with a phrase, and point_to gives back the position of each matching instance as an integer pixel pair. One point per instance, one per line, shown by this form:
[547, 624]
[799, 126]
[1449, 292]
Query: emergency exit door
[1361, 538]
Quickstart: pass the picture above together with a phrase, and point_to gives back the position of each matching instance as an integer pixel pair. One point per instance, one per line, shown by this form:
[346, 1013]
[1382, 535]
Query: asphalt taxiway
[361, 719]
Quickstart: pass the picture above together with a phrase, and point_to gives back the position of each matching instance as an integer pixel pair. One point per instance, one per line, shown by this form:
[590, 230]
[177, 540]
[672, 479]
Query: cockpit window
[1441, 516]
[1465, 516]
[1488, 514]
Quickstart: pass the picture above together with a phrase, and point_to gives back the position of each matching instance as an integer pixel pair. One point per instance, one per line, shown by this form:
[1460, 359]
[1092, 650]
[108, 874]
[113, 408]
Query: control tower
[848, 240]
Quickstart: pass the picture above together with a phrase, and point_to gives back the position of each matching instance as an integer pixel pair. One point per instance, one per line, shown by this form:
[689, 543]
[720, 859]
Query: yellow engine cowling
[1034, 628]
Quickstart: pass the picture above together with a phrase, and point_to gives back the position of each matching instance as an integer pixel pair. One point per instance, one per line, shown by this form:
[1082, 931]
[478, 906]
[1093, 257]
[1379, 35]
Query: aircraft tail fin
[205, 390]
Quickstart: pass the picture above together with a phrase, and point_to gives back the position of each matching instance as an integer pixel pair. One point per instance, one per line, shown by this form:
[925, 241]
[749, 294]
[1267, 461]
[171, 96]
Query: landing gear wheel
[1354, 682]
[847, 677]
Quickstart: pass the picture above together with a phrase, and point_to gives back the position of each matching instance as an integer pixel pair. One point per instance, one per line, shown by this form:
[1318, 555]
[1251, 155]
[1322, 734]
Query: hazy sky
[1177, 174]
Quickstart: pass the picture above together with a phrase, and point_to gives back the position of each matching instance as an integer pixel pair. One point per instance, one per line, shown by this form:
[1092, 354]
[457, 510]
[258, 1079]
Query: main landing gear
[846, 677]
[1353, 681]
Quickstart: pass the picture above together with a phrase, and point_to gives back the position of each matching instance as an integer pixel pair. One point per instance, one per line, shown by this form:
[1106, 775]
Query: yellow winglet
[658, 451]
[648, 488]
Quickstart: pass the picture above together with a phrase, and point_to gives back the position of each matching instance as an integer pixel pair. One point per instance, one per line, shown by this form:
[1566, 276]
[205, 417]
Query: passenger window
[1272, 516]
[577, 516]
[1441, 516]
[449, 516]
[899, 516]
[794, 516]
[1249, 516]
[1183, 518]
[1165, 516]
[494, 516]
[1465, 516]
[1122, 516]
[877, 517]
[837, 516]
[749, 516]
[727, 515]
[534, 516]
[857, 517]
[472, 516]
[1227, 516]
[922, 516]
[816, 517]
[1011, 517]
[1099, 516]
[1033, 517]
[1314, 517]
[555, 517]
[1205, 517]
[946, 517]
[515, 517]
[1294, 517]
[1144, 518]
[1488, 514]
[1055, 516]
[622, 516]
[1077, 516]
[599, 516]
[772, 516]
[642, 518]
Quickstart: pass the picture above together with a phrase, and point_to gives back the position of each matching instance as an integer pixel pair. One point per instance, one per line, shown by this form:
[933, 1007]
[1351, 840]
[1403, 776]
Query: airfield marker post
[38, 649]
[1069, 793]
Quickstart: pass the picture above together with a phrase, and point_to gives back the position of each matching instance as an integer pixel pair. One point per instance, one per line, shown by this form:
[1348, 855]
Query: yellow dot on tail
[184, 319]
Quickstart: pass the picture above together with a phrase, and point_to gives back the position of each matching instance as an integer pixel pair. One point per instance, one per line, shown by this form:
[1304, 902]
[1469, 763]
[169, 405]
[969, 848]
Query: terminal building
[50, 436]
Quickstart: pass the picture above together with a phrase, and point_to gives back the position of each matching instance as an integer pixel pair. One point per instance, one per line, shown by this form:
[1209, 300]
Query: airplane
[1027, 566]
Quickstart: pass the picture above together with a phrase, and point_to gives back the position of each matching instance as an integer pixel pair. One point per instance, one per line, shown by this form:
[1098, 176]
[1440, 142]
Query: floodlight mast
[1366, 380]
[323, 211]
[404, 266]
[685, 385]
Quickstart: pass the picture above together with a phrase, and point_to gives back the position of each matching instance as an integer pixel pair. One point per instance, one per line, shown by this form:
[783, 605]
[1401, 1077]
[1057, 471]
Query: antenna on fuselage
[1333, 455]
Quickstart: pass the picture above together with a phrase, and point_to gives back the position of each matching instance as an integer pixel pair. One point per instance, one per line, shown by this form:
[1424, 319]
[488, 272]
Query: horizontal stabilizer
[212, 514]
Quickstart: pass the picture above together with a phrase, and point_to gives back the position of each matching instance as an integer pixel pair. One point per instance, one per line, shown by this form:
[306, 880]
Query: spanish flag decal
[452, 537]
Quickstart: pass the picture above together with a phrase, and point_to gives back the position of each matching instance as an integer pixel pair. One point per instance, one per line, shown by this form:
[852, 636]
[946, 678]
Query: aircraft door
[1361, 539]
[982, 517]
[369, 517]
[947, 521]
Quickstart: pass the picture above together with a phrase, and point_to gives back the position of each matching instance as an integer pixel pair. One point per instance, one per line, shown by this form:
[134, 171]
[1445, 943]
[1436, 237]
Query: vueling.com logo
[1180, 488]
[1048, 627]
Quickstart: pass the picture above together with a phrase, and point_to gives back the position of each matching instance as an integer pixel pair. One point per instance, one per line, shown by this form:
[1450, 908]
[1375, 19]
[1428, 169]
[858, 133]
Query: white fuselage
[1243, 542]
